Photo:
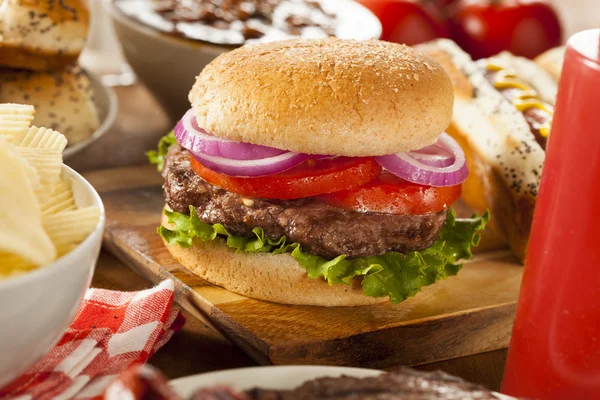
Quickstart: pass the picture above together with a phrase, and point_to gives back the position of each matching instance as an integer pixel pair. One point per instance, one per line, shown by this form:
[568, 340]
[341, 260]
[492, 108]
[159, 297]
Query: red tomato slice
[389, 194]
[310, 178]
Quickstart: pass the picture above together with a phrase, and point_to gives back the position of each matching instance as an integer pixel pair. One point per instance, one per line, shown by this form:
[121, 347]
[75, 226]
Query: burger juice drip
[525, 98]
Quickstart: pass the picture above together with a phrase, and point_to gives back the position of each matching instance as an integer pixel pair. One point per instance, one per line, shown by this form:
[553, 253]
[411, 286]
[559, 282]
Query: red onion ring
[252, 168]
[195, 139]
[434, 156]
[417, 170]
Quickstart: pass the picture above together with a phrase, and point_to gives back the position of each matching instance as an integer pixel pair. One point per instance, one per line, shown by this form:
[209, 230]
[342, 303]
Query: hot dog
[502, 115]
[537, 112]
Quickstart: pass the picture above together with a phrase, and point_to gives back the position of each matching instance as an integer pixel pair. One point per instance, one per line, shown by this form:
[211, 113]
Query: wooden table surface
[197, 348]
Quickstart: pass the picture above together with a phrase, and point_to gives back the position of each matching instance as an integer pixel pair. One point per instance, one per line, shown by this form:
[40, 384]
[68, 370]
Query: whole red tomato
[408, 22]
[439, 3]
[523, 27]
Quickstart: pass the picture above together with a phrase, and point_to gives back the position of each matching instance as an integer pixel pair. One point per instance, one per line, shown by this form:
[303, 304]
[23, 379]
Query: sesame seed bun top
[329, 96]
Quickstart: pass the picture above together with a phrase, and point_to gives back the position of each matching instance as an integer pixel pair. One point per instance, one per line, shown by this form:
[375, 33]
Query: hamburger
[503, 109]
[316, 172]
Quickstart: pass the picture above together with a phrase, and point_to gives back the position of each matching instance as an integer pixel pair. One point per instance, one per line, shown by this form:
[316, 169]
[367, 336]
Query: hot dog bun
[42, 35]
[552, 60]
[505, 160]
[529, 72]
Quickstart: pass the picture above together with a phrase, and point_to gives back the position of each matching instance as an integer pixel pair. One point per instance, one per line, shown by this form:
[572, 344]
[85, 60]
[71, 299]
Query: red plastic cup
[555, 347]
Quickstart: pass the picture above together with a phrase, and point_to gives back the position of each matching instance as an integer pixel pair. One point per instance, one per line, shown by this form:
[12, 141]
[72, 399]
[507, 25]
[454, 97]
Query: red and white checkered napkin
[111, 331]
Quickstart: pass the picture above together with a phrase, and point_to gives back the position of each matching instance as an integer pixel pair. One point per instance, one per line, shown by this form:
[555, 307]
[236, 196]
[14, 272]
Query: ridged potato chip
[60, 200]
[15, 120]
[72, 226]
[47, 162]
[22, 231]
[38, 214]
[11, 264]
[44, 138]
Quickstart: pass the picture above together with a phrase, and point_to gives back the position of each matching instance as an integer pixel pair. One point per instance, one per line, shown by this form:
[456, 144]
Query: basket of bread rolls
[40, 43]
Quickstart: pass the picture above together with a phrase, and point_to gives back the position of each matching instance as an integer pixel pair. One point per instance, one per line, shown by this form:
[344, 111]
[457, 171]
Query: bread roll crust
[505, 161]
[342, 97]
[63, 99]
[552, 60]
[42, 35]
[264, 276]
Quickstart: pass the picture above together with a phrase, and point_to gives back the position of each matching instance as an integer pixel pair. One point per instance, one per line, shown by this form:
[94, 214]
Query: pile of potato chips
[39, 220]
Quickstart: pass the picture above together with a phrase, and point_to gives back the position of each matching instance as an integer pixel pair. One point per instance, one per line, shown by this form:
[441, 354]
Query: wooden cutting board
[463, 315]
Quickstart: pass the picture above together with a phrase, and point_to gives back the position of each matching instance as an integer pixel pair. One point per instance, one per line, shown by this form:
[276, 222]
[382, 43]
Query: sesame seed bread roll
[63, 100]
[41, 35]
[505, 160]
[331, 96]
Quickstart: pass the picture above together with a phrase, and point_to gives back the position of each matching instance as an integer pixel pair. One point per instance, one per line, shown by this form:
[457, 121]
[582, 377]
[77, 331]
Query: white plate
[275, 377]
[106, 105]
[278, 378]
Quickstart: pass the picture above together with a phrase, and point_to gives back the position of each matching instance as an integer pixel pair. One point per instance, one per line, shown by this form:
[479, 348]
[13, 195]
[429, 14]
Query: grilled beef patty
[405, 384]
[319, 228]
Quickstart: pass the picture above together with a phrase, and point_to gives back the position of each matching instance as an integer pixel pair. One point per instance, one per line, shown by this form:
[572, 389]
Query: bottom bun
[264, 276]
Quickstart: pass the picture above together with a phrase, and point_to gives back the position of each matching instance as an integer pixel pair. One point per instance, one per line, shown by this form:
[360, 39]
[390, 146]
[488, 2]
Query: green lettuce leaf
[392, 274]
[157, 157]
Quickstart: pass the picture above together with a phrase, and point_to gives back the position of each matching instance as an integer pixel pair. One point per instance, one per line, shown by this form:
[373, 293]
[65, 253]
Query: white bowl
[168, 65]
[286, 377]
[272, 377]
[37, 307]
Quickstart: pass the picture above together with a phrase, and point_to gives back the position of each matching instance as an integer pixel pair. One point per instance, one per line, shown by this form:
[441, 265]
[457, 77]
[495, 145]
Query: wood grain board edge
[480, 331]
[257, 349]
